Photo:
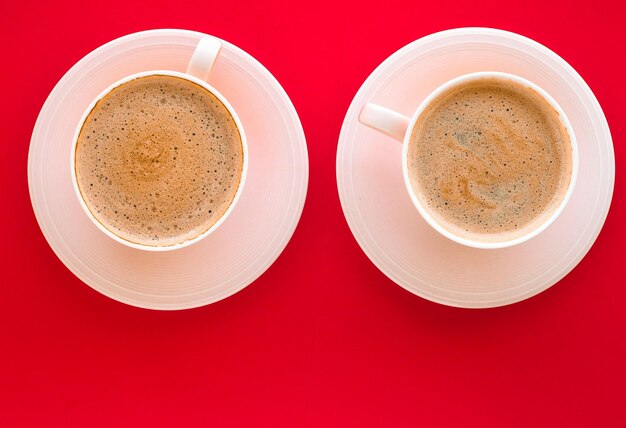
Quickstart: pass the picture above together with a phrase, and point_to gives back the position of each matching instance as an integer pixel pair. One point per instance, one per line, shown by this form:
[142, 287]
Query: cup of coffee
[489, 159]
[159, 158]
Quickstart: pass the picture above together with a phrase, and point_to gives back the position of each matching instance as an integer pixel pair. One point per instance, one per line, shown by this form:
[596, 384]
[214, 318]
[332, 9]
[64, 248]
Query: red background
[322, 338]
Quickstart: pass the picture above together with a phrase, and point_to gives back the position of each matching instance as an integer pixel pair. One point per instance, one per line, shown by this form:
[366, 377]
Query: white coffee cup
[400, 128]
[198, 71]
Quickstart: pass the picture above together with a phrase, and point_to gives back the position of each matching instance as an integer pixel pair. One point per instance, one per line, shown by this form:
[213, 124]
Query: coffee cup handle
[204, 57]
[384, 120]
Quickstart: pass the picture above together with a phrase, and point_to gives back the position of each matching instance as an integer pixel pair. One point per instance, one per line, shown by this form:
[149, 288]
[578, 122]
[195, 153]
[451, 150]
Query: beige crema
[159, 160]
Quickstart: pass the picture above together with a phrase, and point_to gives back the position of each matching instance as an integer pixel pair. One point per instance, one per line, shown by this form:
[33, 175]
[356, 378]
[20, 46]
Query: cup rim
[244, 168]
[424, 212]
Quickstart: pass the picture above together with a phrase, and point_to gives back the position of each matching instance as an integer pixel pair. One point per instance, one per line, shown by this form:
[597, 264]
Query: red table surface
[322, 338]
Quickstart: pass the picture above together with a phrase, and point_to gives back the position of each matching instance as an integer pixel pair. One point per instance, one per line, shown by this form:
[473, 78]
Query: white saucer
[390, 230]
[249, 240]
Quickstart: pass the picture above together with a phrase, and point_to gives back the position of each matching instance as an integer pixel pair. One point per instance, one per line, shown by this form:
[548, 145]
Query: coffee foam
[490, 159]
[159, 160]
